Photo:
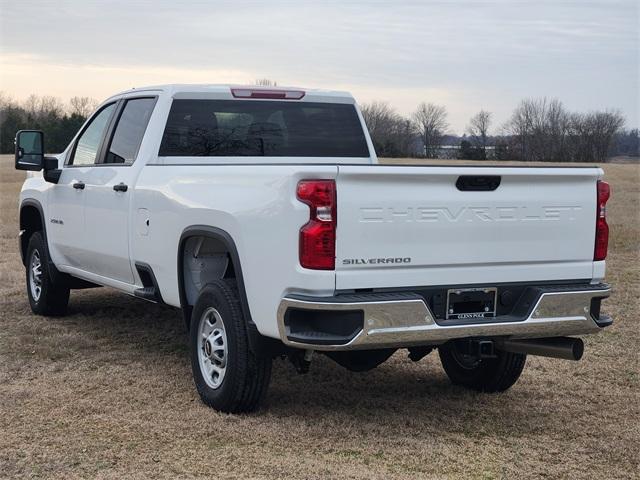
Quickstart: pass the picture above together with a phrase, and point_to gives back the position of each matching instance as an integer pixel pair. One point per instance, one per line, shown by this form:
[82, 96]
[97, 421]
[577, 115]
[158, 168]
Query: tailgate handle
[478, 183]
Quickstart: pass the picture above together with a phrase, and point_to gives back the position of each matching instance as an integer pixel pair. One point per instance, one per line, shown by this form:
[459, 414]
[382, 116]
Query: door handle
[78, 185]
[121, 187]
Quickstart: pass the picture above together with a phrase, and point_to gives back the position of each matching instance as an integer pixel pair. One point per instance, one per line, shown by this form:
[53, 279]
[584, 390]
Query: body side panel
[256, 206]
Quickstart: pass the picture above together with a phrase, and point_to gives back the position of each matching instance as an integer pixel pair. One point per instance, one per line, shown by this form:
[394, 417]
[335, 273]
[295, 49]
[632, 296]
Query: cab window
[89, 141]
[229, 128]
[129, 131]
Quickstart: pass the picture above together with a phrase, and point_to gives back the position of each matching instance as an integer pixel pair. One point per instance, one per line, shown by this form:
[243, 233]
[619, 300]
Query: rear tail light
[270, 94]
[602, 229]
[318, 235]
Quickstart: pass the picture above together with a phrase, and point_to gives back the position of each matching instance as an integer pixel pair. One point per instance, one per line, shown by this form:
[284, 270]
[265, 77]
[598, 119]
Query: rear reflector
[318, 235]
[602, 229]
[270, 94]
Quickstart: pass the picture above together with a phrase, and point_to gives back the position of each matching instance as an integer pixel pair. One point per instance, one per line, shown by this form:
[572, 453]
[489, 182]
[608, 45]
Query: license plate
[470, 303]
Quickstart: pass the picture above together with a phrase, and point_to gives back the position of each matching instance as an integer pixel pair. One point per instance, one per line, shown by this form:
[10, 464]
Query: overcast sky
[466, 55]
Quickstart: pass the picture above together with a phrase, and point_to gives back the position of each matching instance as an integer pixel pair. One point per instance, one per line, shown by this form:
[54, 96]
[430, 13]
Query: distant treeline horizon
[538, 130]
[58, 120]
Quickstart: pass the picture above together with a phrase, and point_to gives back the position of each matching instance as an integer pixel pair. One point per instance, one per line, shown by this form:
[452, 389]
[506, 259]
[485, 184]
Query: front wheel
[481, 374]
[46, 296]
[228, 375]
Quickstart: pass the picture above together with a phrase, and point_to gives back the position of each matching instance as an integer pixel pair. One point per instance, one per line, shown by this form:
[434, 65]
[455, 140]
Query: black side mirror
[29, 150]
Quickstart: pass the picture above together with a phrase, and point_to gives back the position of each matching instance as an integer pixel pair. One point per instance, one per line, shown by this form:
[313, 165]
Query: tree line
[538, 130]
[58, 120]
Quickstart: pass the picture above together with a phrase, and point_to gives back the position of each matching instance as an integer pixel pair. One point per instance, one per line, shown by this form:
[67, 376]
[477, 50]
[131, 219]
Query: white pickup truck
[263, 215]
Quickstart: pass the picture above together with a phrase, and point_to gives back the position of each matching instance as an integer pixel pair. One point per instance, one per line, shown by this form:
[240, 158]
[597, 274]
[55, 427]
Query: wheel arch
[31, 221]
[259, 344]
[222, 238]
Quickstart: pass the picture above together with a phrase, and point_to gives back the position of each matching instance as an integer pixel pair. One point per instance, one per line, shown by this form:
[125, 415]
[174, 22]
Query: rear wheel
[228, 375]
[46, 296]
[481, 374]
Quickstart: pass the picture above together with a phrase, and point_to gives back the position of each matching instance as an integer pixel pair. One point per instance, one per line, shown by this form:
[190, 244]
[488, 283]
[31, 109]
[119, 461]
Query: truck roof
[184, 90]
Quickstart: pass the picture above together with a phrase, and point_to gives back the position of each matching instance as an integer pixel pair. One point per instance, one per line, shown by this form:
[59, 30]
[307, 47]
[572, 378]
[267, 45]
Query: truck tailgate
[403, 226]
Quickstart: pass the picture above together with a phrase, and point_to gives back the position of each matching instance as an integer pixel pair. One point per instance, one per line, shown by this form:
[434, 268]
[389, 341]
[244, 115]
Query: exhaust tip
[577, 348]
[555, 347]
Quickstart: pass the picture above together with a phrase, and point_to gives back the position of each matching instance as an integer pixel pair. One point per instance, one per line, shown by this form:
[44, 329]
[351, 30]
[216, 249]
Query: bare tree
[592, 134]
[38, 107]
[431, 121]
[407, 134]
[31, 105]
[608, 125]
[627, 143]
[392, 135]
[543, 130]
[5, 100]
[518, 129]
[478, 129]
[379, 116]
[266, 82]
[539, 129]
[82, 106]
[557, 123]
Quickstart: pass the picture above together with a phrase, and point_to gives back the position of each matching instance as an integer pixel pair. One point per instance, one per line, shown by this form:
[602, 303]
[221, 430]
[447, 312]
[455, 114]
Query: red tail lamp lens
[602, 228]
[318, 235]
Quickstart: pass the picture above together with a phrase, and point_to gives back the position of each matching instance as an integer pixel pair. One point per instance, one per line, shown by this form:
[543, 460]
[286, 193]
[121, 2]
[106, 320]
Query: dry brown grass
[106, 392]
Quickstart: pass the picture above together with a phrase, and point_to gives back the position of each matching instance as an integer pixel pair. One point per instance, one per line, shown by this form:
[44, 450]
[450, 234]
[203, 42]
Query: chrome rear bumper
[404, 320]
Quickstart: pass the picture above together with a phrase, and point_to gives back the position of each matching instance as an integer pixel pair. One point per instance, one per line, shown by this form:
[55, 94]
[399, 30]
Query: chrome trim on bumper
[407, 322]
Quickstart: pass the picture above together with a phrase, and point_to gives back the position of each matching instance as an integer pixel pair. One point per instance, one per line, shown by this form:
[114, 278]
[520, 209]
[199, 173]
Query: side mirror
[29, 150]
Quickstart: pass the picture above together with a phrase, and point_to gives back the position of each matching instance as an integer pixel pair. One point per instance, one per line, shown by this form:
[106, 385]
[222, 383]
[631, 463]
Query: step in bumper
[384, 320]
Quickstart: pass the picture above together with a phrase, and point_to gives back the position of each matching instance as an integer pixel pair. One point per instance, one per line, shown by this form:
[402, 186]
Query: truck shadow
[401, 395]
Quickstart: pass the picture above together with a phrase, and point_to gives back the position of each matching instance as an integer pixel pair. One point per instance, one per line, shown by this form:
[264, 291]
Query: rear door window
[129, 131]
[262, 128]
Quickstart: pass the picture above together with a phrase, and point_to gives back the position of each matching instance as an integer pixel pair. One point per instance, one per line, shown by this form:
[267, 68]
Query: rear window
[214, 128]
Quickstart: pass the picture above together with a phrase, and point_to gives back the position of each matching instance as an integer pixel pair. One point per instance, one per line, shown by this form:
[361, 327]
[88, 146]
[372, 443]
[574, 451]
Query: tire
[46, 296]
[483, 375]
[228, 376]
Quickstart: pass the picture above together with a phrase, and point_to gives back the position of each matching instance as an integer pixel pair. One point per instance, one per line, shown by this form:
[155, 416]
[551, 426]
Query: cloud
[465, 54]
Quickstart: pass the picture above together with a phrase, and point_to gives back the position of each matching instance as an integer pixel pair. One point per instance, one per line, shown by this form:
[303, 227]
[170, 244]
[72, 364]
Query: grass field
[106, 392]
